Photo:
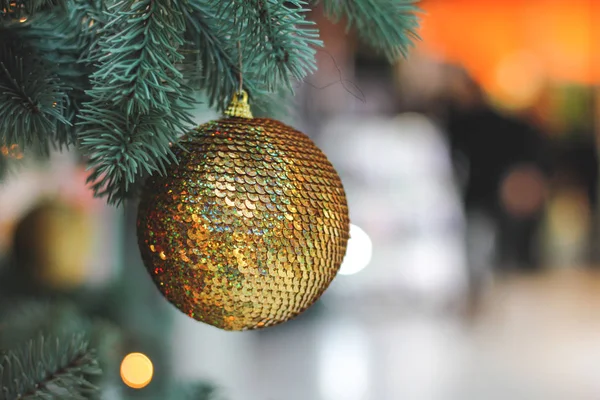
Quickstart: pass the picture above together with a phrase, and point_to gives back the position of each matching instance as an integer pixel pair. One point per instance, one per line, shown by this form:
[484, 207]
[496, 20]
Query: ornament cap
[239, 106]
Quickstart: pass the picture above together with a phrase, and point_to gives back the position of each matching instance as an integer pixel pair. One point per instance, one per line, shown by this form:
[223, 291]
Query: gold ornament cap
[239, 106]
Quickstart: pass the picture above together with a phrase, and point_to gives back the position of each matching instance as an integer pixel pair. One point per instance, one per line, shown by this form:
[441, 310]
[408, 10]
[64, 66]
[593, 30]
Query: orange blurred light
[11, 151]
[562, 36]
[519, 80]
[136, 370]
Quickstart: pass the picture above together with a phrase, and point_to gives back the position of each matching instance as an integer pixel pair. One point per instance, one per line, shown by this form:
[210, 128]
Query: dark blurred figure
[577, 162]
[505, 160]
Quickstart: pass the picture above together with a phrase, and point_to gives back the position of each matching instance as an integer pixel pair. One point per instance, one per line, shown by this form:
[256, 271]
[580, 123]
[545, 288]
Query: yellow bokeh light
[520, 78]
[136, 370]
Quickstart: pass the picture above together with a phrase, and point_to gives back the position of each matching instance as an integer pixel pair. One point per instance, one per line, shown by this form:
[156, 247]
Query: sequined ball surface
[250, 227]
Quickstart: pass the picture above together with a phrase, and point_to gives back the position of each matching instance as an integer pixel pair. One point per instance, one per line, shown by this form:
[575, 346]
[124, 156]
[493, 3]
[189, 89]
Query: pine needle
[389, 26]
[49, 367]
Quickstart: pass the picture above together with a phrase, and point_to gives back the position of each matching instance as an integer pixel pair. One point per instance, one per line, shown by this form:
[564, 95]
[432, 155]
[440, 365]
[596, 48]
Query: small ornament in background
[52, 244]
[249, 228]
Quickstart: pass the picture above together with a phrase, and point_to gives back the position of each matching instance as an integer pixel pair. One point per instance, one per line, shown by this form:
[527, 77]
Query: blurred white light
[343, 362]
[358, 253]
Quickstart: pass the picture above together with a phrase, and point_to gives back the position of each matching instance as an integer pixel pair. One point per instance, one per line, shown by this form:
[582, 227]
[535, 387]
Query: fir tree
[117, 79]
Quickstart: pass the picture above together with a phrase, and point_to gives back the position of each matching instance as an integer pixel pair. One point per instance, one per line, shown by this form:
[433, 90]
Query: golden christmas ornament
[249, 228]
[52, 244]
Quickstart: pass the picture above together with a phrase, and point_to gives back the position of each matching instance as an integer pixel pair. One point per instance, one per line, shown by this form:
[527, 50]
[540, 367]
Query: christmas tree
[118, 82]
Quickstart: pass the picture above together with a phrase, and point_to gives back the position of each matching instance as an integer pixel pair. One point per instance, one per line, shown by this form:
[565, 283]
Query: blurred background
[473, 271]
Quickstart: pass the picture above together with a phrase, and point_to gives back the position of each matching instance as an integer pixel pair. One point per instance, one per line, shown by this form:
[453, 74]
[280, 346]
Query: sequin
[248, 229]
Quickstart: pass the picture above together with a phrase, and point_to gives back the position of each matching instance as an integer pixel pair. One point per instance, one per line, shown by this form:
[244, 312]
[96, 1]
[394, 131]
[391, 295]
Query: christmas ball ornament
[249, 228]
[52, 244]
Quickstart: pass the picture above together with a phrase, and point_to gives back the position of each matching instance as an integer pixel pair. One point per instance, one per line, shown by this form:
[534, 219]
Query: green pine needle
[121, 149]
[138, 63]
[278, 37]
[274, 46]
[140, 102]
[63, 39]
[212, 57]
[27, 8]
[51, 367]
[32, 98]
[389, 26]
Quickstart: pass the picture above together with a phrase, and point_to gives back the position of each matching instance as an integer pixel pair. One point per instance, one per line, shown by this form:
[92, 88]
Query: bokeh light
[359, 252]
[523, 191]
[520, 79]
[12, 151]
[136, 370]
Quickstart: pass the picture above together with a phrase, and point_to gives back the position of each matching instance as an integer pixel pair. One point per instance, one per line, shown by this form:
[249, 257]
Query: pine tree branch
[66, 39]
[58, 42]
[50, 367]
[213, 58]
[63, 39]
[106, 337]
[279, 39]
[389, 26]
[138, 65]
[275, 41]
[22, 320]
[212, 55]
[92, 17]
[18, 9]
[32, 98]
[140, 103]
[121, 149]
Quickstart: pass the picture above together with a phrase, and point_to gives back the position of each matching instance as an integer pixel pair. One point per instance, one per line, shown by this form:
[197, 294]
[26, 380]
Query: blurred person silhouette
[503, 160]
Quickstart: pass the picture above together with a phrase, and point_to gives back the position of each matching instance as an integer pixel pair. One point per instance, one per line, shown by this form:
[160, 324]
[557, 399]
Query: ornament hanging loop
[239, 106]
